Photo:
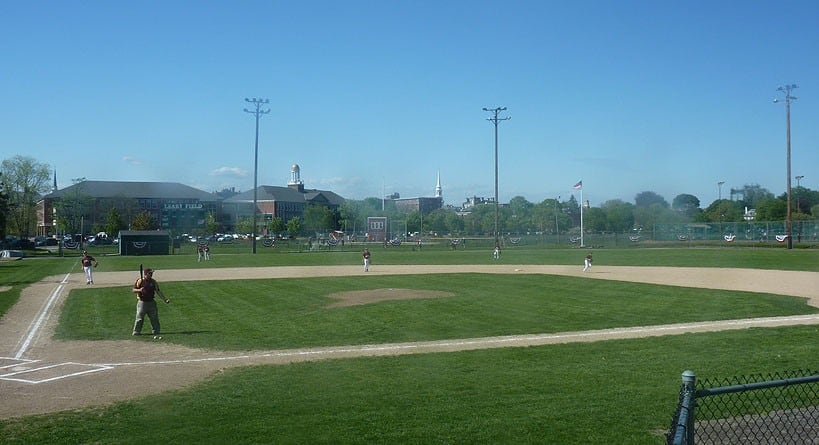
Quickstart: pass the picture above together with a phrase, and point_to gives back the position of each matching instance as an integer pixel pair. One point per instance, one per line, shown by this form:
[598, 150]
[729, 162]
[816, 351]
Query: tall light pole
[495, 120]
[788, 99]
[258, 112]
[719, 186]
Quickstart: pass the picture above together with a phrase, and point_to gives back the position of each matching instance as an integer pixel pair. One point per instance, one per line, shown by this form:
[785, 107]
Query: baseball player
[146, 289]
[87, 268]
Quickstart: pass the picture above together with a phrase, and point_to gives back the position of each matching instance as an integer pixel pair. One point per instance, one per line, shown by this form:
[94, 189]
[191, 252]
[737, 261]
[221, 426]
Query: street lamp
[257, 103]
[788, 99]
[495, 120]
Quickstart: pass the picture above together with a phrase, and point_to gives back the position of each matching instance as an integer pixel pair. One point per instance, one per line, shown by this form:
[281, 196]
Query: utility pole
[495, 120]
[258, 112]
[788, 99]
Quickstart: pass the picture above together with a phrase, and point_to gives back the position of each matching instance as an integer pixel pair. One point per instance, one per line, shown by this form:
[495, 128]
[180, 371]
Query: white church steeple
[438, 186]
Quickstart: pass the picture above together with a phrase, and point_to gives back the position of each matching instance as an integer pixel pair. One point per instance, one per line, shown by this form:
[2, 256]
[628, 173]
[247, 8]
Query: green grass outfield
[619, 391]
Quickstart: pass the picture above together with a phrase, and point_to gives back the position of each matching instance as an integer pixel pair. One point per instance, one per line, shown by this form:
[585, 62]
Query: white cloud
[234, 172]
[130, 160]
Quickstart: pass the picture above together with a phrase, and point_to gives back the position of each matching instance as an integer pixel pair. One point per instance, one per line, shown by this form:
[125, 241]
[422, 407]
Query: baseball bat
[140, 271]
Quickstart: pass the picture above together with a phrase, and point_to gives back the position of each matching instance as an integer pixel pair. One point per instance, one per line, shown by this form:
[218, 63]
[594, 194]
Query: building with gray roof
[277, 201]
[176, 207]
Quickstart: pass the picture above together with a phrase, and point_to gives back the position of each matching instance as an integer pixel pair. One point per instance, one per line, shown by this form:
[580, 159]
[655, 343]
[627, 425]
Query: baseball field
[432, 346]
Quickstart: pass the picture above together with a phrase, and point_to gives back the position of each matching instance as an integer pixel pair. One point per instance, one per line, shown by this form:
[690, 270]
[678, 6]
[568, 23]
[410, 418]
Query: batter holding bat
[147, 289]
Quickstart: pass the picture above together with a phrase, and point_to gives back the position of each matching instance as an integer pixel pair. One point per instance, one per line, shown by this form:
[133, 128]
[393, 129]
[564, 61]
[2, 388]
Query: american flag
[579, 185]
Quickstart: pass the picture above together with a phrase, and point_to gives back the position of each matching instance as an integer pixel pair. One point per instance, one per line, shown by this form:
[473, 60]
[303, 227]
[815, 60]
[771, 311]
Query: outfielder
[146, 288]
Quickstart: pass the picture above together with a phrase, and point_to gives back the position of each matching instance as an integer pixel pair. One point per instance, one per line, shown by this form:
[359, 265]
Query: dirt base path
[41, 375]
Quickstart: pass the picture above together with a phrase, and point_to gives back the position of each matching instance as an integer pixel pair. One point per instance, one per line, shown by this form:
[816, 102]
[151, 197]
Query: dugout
[144, 242]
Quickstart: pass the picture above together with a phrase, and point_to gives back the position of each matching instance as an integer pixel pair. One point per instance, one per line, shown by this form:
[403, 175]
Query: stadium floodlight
[258, 112]
[495, 120]
[788, 99]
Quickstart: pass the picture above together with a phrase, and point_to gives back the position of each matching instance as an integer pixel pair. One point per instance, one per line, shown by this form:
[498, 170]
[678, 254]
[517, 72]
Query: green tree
[686, 204]
[803, 199]
[351, 218]
[572, 209]
[319, 218]
[113, 222]
[144, 221]
[772, 209]
[647, 199]
[437, 221]
[594, 220]
[294, 226]
[481, 221]
[211, 224]
[276, 225]
[519, 216]
[549, 215]
[24, 181]
[415, 221]
[244, 224]
[724, 211]
[454, 223]
[619, 215]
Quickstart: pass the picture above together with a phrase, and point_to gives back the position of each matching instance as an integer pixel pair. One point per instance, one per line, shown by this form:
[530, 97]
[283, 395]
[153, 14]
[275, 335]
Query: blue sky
[372, 96]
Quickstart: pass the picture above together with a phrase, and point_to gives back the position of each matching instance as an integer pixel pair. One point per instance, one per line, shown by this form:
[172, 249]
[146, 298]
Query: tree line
[551, 216]
[24, 180]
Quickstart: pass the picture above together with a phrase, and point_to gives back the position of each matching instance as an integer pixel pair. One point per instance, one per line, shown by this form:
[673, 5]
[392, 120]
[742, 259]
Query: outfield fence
[758, 409]
[747, 234]
[746, 231]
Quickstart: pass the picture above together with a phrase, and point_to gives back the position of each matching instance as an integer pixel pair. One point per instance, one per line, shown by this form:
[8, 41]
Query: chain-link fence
[758, 409]
[737, 232]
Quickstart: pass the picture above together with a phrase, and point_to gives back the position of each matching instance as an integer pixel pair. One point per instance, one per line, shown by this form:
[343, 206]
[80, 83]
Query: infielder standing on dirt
[587, 262]
[86, 267]
[366, 256]
[146, 288]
